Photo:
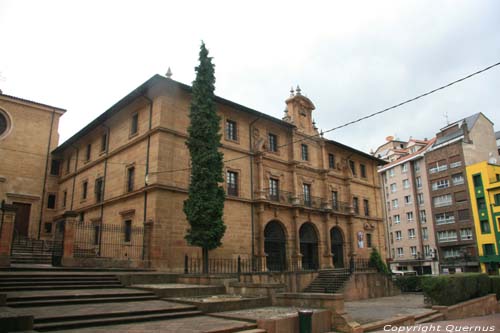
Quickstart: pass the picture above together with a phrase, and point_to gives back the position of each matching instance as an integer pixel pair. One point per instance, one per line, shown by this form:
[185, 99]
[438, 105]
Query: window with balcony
[447, 236]
[331, 161]
[366, 207]
[273, 142]
[423, 216]
[406, 183]
[442, 200]
[411, 233]
[445, 218]
[355, 205]
[306, 191]
[409, 216]
[425, 233]
[335, 200]
[466, 234]
[457, 179]
[399, 235]
[232, 183]
[440, 184]
[397, 219]
[231, 130]
[393, 188]
[274, 189]
[395, 203]
[304, 152]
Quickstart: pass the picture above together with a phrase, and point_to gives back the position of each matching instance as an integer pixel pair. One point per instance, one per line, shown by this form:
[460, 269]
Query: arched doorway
[308, 246]
[337, 247]
[275, 246]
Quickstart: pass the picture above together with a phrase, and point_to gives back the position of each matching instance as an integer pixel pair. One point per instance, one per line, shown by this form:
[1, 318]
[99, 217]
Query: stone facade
[28, 133]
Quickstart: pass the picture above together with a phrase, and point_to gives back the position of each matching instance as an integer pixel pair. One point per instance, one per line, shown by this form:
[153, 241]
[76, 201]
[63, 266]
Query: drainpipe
[103, 186]
[147, 166]
[3, 214]
[42, 202]
[74, 177]
[252, 218]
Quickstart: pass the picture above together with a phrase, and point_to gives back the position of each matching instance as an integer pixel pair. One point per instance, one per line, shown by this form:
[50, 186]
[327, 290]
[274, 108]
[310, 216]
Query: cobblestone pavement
[97, 308]
[262, 313]
[374, 309]
[171, 286]
[490, 323]
[196, 324]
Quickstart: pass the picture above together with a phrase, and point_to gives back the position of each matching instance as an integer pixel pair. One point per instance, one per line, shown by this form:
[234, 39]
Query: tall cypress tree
[205, 204]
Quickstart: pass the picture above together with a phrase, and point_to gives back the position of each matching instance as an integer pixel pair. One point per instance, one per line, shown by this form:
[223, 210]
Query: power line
[359, 119]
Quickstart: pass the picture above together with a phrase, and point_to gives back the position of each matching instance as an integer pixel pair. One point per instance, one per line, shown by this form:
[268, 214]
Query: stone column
[70, 218]
[327, 256]
[296, 256]
[261, 194]
[6, 233]
[260, 256]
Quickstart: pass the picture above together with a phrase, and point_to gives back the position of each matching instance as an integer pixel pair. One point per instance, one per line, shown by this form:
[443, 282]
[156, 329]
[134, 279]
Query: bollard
[305, 321]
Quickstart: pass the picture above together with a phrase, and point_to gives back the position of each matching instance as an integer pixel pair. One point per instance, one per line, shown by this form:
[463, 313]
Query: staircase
[31, 251]
[329, 281]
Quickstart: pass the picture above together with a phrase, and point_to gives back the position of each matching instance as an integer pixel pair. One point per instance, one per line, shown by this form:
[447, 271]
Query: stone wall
[363, 285]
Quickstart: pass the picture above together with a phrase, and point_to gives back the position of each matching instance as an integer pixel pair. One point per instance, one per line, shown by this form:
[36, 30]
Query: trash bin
[305, 321]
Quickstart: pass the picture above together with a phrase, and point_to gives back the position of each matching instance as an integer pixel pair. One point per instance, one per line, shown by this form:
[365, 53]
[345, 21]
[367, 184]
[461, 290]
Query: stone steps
[329, 281]
[429, 317]
[31, 251]
[81, 300]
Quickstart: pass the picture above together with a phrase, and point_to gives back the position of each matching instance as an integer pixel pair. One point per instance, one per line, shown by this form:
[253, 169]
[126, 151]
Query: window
[397, 219]
[427, 251]
[406, 183]
[47, 227]
[306, 191]
[393, 187]
[4, 123]
[355, 205]
[457, 179]
[423, 216]
[54, 167]
[420, 198]
[481, 203]
[68, 163]
[466, 234]
[366, 207]
[419, 182]
[447, 236]
[460, 196]
[489, 249]
[368, 240]
[99, 187]
[404, 167]
[85, 186]
[352, 165]
[391, 238]
[451, 253]
[463, 215]
[409, 216]
[407, 199]
[411, 233]
[455, 164]
[399, 235]
[273, 142]
[88, 152]
[134, 125]
[442, 200]
[416, 166]
[476, 179]
[425, 233]
[391, 172]
[413, 251]
[304, 152]
[438, 166]
[335, 200]
[400, 252]
[485, 227]
[128, 230]
[104, 142]
[274, 189]
[65, 198]
[395, 203]
[232, 183]
[362, 170]
[97, 231]
[231, 130]
[81, 217]
[440, 184]
[497, 199]
[130, 179]
[331, 161]
[445, 218]
[51, 201]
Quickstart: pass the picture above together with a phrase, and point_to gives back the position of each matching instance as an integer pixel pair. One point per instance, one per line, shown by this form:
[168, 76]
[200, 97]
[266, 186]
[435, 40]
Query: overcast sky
[351, 58]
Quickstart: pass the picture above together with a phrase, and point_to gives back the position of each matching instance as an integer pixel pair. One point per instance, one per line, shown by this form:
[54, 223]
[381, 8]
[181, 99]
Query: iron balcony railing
[278, 196]
[311, 202]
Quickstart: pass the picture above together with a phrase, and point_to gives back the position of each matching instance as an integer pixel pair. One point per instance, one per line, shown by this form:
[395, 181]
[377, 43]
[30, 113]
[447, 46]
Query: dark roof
[470, 121]
[142, 90]
[371, 157]
[32, 102]
[497, 135]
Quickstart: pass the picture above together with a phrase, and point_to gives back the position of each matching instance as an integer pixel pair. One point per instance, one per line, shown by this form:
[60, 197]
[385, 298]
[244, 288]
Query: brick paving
[374, 309]
[196, 324]
[262, 313]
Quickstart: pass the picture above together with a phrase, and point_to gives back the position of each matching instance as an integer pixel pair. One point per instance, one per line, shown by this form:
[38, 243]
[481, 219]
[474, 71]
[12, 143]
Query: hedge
[495, 285]
[409, 283]
[452, 289]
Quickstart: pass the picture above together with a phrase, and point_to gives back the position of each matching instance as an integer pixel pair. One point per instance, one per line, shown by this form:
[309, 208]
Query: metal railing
[278, 196]
[222, 265]
[311, 202]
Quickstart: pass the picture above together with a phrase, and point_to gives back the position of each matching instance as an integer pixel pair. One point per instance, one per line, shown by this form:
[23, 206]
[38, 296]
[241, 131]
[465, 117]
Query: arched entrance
[308, 246]
[275, 246]
[337, 247]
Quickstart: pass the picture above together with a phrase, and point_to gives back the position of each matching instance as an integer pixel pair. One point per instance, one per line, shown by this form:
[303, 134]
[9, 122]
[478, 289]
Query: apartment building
[483, 179]
[411, 242]
[462, 143]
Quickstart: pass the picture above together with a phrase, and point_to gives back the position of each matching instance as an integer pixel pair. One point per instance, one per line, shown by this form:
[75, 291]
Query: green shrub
[409, 283]
[495, 285]
[377, 262]
[452, 289]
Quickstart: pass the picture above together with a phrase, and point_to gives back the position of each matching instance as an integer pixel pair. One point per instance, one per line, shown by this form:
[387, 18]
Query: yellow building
[484, 188]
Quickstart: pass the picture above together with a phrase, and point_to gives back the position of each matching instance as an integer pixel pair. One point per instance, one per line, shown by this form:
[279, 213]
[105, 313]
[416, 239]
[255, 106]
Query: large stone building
[294, 198]
[462, 143]
[411, 241]
[28, 134]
